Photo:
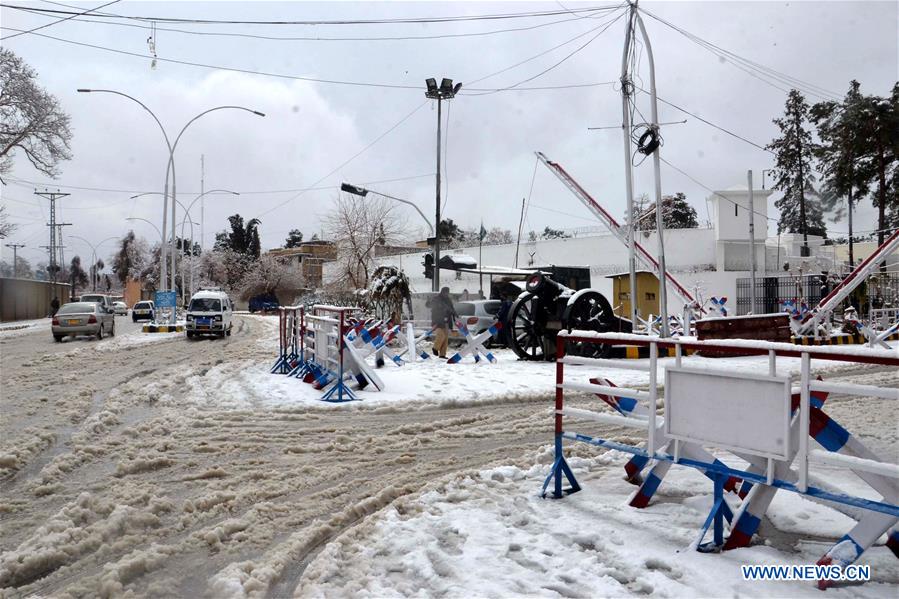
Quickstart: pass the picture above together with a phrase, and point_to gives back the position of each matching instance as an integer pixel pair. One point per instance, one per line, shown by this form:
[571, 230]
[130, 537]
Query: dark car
[264, 303]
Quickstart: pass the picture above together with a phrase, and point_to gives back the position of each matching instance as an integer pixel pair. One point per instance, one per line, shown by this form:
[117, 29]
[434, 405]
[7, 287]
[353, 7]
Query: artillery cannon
[547, 307]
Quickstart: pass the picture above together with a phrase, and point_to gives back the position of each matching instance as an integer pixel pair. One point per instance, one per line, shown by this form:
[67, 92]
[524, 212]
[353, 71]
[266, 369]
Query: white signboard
[747, 413]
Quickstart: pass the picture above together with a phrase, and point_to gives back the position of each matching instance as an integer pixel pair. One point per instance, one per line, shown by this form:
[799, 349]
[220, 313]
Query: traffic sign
[165, 299]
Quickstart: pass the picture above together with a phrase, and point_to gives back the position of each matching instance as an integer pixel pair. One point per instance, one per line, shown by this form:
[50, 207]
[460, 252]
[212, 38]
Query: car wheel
[133, 318]
[57, 338]
[229, 332]
[100, 333]
[112, 331]
[190, 335]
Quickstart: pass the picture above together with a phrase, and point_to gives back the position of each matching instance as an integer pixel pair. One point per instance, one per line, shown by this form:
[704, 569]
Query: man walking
[442, 315]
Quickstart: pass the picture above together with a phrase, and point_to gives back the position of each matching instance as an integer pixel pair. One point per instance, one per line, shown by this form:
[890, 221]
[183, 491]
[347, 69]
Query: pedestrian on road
[54, 306]
[442, 315]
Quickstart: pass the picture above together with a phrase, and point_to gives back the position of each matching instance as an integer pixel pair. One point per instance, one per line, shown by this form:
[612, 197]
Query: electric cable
[45, 25]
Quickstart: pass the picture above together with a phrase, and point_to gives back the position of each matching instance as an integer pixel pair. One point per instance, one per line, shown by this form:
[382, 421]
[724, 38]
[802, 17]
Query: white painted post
[410, 342]
[804, 416]
[772, 363]
[678, 354]
[653, 399]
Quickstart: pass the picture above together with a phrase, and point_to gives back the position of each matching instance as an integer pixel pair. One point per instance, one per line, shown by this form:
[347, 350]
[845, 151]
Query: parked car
[82, 318]
[264, 302]
[120, 308]
[209, 313]
[145, 310]
[104, 300]
[478, 315]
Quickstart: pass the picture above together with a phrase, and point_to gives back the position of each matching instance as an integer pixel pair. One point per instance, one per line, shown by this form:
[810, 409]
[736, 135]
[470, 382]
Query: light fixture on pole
[446, 91]
[170, 169]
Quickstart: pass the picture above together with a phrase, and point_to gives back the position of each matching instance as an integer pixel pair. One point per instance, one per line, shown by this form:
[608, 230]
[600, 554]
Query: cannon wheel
[591, 311]
[527, 341]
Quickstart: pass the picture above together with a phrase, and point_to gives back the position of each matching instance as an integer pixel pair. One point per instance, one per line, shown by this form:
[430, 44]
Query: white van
[209, 313]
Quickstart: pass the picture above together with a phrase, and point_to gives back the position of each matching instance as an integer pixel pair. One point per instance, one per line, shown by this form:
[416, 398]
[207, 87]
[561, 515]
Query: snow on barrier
[759, 419]
[290, 325]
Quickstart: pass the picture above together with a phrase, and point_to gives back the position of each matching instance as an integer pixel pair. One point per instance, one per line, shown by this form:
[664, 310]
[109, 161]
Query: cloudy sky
[317, 134]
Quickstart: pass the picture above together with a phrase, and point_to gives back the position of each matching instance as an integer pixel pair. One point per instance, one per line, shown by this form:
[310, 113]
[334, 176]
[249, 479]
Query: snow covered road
[165, 467]
[112, 481]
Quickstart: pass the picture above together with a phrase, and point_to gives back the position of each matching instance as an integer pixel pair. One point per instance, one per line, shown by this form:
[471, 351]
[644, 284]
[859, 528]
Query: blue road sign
[165, 299]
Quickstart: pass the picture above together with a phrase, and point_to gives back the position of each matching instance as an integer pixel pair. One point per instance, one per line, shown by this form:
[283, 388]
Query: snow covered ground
[156, 466]
[491, 534]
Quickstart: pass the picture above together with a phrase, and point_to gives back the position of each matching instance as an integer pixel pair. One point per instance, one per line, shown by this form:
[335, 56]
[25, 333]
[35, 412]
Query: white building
[711, 259]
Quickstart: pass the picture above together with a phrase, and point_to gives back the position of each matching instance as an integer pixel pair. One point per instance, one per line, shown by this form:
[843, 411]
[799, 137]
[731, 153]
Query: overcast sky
[311, 129]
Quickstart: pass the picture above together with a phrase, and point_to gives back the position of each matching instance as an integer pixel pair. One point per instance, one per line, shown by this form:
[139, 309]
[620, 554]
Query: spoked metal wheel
[527, 332]
[591, 311]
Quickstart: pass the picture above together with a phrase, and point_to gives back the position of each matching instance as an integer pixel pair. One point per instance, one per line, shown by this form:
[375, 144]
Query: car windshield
[78, 308]
[492, 307]
[92, 298]
[205, 304]
[142, 306]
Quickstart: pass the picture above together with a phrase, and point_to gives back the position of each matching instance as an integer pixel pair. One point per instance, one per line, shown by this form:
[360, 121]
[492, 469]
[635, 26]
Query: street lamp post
[149, 223]
[446, 91]
[362, 192]
[187, 212]
[170, 169]
[93, 257]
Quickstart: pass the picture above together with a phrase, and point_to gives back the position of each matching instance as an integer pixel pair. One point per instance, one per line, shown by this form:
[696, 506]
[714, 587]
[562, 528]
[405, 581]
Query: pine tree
[294, 239]
[881, 116]
[841, 154]
[800, 211]
[676, 214]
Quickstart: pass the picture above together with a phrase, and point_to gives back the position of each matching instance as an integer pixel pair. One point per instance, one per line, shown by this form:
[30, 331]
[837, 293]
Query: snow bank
[490, 534]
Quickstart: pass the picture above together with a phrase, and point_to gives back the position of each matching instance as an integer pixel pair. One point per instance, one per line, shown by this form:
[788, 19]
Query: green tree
[294, 239]
[882, 118]
[131, 258]
[449, 231]
[77, 276]
[800, 208]
[550, 233]
[243, 238]
[841, 152]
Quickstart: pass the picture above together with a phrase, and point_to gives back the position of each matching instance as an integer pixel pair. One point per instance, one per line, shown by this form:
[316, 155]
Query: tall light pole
[187, 212]
[446, 91]
[93, 256]
[170, 169]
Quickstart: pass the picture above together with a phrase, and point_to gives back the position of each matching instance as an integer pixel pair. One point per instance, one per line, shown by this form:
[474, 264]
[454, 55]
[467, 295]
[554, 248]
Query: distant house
[308, 259]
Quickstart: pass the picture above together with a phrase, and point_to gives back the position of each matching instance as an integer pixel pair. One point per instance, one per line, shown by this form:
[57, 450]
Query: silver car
[83, 318]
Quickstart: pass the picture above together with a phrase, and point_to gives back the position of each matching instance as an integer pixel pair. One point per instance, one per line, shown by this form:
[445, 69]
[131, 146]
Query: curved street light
[93, 256]
[170, 169]
[152, 224]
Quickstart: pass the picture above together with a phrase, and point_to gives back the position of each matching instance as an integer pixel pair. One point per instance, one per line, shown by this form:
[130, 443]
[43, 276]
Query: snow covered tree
[131, 258]
[224, 268]
[22, 269]
[550, 233]
[841, 152]
[676, 214]
[793, 150]
[294, 239]
[31, 120]
[243, 238]
[357, 225]
[882, 118]
[270, 275]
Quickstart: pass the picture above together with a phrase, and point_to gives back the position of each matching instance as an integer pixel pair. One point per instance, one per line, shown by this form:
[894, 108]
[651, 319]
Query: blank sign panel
[748, 413]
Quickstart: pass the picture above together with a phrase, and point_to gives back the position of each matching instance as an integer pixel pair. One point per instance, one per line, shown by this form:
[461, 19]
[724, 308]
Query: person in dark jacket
[442, 315]
[54, 306]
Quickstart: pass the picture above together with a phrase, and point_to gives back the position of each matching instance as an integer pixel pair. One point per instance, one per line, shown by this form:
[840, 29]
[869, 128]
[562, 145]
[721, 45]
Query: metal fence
[772, 292]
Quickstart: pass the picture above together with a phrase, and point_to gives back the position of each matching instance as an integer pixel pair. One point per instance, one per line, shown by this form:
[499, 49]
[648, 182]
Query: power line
[282, 75]
[38, 12]
[709, 123]
[556, 47]
[736, 59]
[58, 21]
[351, 158]
[27, 183]
[550, 68]
[391, 21]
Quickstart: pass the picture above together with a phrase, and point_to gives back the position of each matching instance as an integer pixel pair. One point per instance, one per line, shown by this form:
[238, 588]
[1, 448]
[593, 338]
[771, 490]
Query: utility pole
[15, 249]
[202, 211]
[55, 248]
[626, 90]
[656, 160]
[751, 245]
[518, 241]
